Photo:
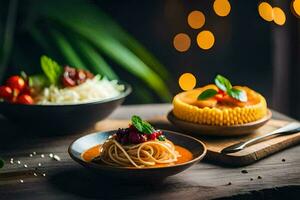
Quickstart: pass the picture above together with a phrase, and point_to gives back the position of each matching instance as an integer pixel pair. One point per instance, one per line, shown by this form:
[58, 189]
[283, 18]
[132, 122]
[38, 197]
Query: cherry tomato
[16, 82]
[25, 99]
[6, 92]
[68, 82]
[219, 97]
[221, 92]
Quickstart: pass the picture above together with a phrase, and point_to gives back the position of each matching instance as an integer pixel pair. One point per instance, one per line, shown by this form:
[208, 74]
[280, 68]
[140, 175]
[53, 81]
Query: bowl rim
[91, 164]
[123, 94]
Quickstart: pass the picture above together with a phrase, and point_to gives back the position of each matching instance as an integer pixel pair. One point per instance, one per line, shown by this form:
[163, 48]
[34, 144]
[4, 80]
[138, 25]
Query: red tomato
[221, 92]
[219, 97]
[68, 82]
[6, 92]
[25, 99]
[16, 82]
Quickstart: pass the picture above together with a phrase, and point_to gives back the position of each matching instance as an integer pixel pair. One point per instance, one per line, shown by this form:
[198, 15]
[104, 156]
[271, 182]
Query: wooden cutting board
[215, 144]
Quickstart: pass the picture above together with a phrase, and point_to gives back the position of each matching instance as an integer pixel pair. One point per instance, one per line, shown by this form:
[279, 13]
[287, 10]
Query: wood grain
[67, 180]
[215, 145]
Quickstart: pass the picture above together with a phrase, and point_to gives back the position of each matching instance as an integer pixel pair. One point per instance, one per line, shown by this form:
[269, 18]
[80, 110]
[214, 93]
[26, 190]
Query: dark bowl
[84, 143]
[62, 118]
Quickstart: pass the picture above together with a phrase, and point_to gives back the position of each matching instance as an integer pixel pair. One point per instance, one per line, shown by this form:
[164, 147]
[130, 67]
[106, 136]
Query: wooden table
[65, 179]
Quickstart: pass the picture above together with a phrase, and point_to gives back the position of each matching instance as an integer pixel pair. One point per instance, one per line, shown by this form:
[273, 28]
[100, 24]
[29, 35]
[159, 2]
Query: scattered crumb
[56, 157]
[42, 155]
[34, 153]
[30, 155]
[11, 161]
[229, 183]
[44, 174]
[251, 179]
[283, 160]
[244, 171]
[19, 162]
[259, 177]
[34, 174]
[25, 166]
[21, 181]
[40, 164]
[51, 155]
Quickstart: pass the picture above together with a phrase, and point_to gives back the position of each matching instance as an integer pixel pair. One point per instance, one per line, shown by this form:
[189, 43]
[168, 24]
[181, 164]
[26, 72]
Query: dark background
[248, 50]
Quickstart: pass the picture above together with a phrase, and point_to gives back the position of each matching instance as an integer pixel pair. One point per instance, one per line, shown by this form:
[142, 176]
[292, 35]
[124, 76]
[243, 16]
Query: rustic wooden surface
[215, 144]
[67, 180]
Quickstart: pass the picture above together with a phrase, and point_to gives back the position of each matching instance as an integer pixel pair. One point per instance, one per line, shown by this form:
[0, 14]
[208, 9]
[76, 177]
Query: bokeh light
[205, 39]
[196, 19]
[279, 16]
[182, 42]
[222, 7]
[187, 81]
[265, 10]
[296, 7]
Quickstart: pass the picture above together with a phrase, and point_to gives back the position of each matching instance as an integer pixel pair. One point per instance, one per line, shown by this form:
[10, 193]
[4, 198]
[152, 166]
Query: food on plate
[58, 85]
[138, 146]
[220, 104]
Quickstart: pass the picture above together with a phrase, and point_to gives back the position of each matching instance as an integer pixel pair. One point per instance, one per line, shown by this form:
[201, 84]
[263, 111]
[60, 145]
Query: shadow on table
[83, 183]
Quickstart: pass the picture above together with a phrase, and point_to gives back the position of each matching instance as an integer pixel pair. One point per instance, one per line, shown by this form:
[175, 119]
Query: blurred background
[150, 44]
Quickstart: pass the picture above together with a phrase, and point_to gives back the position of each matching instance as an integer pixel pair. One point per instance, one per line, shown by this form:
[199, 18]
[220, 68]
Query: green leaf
[161, 138]
[207, 94]
[238, 94]
[51, 69]
[141, 125]
[1, 163]
[223, 83]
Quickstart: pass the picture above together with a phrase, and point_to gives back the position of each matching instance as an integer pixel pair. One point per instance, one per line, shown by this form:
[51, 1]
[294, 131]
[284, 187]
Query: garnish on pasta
[139, 145]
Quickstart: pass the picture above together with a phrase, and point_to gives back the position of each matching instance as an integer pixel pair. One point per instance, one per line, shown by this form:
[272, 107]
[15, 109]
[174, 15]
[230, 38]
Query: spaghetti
[138, 146]
[145, 154]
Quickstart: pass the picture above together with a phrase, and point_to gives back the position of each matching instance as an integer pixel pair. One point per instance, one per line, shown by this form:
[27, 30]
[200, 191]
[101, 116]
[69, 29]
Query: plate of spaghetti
[138, 151]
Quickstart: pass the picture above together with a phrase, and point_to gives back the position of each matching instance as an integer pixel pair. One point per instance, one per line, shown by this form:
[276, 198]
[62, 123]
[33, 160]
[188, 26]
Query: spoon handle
[290, 128]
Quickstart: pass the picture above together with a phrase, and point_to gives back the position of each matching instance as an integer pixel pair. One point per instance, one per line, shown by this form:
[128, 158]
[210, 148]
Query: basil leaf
[137, 122]
[223, 83]
[240, 95]
[161, 138]
[147, 128]
[141, 125]
[52, 70]
[1, 163]
[206, 94]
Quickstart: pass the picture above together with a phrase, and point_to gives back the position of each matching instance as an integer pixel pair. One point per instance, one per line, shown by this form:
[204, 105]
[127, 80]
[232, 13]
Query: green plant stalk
[101, 18]
[130, 61]
[98, 64]
[97, 18]
[8, 36]
[67, 50]
[39, 38]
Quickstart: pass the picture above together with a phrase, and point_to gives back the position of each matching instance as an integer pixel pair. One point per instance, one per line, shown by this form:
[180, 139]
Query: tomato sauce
[185, 155]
